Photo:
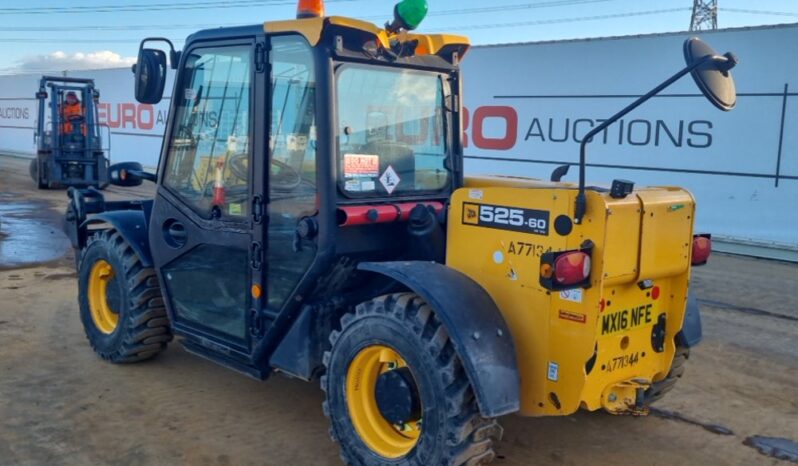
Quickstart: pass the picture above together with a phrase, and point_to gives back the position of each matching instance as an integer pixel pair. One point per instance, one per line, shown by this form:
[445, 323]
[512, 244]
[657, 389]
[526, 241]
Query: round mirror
[713, 76]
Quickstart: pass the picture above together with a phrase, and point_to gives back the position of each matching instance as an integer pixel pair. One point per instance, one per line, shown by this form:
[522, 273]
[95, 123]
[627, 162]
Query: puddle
[673, 415]
[26, 237]
[775, 447]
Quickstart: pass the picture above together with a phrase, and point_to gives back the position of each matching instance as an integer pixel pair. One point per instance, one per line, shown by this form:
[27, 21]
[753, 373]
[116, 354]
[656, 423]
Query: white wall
[732, 175]
[136, 129]
[728, 160]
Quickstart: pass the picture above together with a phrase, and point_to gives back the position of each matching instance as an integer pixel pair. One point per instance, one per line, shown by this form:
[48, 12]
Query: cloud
[57, 61]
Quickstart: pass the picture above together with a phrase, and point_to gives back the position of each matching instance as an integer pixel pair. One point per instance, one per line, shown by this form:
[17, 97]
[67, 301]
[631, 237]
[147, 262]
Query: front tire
[120, 301]
[394, 338]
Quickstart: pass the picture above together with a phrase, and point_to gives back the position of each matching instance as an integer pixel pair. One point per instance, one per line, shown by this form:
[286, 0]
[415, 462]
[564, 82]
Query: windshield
[391, 138]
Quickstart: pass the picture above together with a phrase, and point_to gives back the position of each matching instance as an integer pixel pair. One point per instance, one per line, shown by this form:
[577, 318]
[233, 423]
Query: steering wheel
[75, 118]
[286, 179]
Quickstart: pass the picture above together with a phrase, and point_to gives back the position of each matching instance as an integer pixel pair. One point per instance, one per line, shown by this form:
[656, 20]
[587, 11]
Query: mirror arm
[581, 199]
[144, 175]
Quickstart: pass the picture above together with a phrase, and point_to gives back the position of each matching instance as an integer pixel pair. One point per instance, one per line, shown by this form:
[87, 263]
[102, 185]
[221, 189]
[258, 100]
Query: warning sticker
[573, 316]
[574, 295]
[361, 165]
[553, 372]
[390, 179]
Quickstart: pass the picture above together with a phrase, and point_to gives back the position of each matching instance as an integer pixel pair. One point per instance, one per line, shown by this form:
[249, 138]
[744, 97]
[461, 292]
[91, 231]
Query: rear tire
[659, 389]
[450, 430]
[121, 306]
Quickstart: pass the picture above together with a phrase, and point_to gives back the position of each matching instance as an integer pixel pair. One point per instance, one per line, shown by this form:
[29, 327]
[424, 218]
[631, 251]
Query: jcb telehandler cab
[312, 218]
[69, 147]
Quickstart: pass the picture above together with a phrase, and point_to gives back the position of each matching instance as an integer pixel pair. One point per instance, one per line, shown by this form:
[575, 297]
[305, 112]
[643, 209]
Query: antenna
[705, 15]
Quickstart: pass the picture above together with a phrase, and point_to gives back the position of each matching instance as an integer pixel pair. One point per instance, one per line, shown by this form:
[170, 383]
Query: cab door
[201, 229]
[293, 177]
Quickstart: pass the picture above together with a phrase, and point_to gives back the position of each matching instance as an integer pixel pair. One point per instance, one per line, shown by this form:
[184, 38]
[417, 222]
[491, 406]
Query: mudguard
[475, 325]
[691, 333]
[132, 225]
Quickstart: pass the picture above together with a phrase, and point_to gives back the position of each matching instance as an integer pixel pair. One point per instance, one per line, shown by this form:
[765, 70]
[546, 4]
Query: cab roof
[313, 28]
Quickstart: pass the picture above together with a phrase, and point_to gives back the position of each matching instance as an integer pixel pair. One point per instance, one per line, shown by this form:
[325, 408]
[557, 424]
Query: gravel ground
[60, 404]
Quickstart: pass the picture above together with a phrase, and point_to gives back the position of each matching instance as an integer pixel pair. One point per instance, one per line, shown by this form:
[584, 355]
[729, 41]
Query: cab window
[210, 147]
[391, 138]
[292, 160]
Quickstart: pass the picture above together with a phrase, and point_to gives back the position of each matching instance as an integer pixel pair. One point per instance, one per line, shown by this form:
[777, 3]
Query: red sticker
[360, 165]
[573, 316]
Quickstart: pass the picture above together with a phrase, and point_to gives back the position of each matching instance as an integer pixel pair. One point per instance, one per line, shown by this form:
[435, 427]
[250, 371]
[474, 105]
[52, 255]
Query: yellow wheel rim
[382, 437]
[105, 318]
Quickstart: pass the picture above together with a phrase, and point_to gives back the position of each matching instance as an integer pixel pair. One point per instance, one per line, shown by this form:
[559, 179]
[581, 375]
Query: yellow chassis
[586, 348]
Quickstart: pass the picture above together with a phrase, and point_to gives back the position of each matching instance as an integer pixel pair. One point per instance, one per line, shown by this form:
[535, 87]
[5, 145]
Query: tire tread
[469, 436]
[146, 329]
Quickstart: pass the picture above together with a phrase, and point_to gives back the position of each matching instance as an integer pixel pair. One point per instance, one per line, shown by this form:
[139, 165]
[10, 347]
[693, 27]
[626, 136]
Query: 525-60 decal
[506, 218]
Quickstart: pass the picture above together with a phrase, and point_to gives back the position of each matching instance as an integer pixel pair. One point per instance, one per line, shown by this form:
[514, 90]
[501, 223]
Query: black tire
[659, 389]
[33, 169]
[142, 330]
[453, 433]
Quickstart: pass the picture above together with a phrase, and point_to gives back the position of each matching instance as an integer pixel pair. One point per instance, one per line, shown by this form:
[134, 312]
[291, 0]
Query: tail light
[571, 268]
[702, 248]
[310, 9]
[566, 269]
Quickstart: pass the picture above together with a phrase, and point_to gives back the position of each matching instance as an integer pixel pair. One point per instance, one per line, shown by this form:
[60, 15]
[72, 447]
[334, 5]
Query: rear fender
[691, 332]
[475, 325]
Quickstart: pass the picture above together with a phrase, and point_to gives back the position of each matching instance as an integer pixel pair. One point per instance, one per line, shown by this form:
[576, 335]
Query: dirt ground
[60, 404]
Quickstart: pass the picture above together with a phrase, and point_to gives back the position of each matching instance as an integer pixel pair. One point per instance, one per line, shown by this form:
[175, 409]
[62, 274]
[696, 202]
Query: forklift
[312, 219]
[69, 146]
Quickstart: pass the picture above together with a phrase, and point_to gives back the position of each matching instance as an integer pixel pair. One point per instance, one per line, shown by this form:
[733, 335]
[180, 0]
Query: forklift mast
[70, 149]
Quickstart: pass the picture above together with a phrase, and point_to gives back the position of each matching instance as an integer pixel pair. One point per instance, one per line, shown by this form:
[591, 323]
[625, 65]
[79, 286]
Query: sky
[39, 36]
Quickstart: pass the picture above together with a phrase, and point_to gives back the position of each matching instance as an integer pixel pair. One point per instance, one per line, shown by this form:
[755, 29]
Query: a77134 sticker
[506, 218]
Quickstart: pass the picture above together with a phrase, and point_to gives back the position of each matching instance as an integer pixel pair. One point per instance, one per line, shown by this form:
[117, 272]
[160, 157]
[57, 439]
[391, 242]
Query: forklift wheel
[396, 392]
[33, 169]
[659, 389]
[120, 301]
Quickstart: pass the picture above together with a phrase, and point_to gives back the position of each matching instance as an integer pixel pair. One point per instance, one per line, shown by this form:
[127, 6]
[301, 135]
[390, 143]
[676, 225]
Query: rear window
[391, 132]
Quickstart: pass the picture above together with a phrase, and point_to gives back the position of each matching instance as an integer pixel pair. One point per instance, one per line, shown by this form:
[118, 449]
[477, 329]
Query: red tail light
[702, 248]
[571, 268]
[566, 269]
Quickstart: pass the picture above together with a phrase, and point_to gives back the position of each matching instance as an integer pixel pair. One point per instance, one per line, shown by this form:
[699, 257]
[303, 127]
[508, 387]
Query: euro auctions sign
[528, 107]
[129, 115]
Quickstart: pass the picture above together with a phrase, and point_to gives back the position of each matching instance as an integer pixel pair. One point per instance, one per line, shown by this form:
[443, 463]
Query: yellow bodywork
[590, 348]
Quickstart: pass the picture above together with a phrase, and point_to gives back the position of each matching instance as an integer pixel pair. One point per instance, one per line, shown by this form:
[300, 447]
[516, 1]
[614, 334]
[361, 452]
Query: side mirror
[126, 174]
[150, 71]
[711, 72]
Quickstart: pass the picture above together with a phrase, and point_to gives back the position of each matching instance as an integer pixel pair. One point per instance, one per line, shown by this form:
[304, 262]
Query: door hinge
[256, 255]
[260, 57]
[257, 209]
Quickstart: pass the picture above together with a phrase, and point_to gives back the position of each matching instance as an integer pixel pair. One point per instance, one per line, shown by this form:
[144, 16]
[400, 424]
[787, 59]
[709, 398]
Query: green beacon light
[407, 14]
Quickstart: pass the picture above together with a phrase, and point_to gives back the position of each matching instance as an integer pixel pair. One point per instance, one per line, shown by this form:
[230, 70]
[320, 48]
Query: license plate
[627, 319]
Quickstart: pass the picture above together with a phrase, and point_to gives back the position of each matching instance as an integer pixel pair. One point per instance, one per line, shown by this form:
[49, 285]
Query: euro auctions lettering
[14, 113]
[131, 116]
[630, 131]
